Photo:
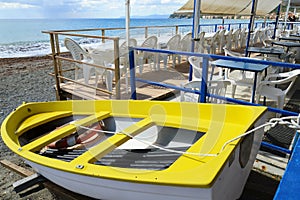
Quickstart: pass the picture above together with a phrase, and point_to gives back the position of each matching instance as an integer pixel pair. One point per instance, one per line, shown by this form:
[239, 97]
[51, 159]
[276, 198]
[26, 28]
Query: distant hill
[181, 15]
[150, 17]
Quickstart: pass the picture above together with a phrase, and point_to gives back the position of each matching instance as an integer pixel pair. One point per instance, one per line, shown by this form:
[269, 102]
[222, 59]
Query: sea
[24, 37]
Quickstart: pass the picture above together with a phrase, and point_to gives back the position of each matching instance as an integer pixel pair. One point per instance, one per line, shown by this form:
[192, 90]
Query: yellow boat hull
[197, 164]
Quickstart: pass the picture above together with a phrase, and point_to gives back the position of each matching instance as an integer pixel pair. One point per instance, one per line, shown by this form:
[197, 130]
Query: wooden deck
[173, 76]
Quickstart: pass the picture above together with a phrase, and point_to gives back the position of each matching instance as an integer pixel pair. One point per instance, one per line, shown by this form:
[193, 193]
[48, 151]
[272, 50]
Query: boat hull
[228, 185]
[146, 149]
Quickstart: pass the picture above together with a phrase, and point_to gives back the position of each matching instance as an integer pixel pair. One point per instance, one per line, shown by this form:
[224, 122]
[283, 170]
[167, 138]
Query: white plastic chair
[212, 43]
[221, 40]
[267, 38]
[269, 87]
[124, 59]
[200, 43]
[105, 59]
[172, 44]
[196, 63]
[185, 44]
[243, 37]
[217, 87]
[123, 49]
[238, 77]
[236, 38]
[255, 37]
[150, 42]
[79, 54]
[228, 39]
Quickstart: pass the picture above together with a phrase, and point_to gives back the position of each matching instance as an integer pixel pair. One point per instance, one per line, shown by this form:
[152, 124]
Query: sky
[22, 9]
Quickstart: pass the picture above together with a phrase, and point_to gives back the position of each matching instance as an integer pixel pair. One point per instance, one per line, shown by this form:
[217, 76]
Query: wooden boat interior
[142, 151]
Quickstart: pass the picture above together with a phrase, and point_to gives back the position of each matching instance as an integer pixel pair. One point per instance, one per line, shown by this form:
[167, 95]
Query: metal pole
[127, 5]
[276, 22]
[205, 66]
[132, 73]
[286, 14]
[195, 30]
[251, 24]
[196, 19]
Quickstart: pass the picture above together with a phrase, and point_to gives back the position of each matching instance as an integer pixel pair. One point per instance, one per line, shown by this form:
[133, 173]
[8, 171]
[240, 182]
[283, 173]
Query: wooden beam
[52, 187]
[13, 167]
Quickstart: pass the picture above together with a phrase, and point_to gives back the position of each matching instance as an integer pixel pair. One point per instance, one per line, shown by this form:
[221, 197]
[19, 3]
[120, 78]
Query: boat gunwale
[89, 169]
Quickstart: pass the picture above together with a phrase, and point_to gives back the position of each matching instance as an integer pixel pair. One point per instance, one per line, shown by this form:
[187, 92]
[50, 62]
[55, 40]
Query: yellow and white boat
[135, 150]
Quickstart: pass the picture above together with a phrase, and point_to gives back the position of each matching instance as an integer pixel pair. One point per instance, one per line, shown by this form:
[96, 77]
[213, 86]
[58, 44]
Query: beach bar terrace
[96, 43]
[151, 84]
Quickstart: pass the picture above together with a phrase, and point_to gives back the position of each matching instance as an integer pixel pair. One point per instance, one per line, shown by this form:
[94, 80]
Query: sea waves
[24, 49]
[38, 48]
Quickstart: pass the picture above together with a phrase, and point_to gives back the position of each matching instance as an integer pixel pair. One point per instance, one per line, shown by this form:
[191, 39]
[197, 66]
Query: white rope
[96, 130]
[291, 121]
[244, 134]
[148, 143]
[272, 122]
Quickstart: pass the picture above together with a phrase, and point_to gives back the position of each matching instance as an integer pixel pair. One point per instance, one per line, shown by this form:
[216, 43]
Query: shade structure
[231, 7]
[292, 2]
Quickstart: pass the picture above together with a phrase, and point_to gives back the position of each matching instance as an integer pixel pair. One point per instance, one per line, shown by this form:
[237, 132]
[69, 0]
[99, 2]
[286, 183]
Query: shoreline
[14, 64]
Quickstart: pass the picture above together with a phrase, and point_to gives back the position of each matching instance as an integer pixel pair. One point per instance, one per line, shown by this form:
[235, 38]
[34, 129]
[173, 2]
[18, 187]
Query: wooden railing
[57, 58]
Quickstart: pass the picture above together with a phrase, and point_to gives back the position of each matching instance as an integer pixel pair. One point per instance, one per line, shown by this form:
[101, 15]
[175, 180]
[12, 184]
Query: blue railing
[203, 92]
[236, 25]
[228, 26]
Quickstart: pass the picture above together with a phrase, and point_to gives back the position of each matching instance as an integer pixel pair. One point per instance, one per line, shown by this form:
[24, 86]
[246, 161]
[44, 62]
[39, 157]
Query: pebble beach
[22, 80]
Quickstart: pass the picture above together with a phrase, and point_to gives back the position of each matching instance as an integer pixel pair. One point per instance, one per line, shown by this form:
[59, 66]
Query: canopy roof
[231, 7]
[292, 3]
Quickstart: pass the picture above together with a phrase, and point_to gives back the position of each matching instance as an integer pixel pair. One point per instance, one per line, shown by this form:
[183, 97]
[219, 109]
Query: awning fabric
[293, 2]
[231, 7]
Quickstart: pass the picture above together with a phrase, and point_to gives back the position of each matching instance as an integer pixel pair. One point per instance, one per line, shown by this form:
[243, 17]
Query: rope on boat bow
[290, 121]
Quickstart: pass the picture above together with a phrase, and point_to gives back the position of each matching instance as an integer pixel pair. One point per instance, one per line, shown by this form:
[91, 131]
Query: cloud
[172, 2]
[84, 8]
[15, 5]
[152, 7]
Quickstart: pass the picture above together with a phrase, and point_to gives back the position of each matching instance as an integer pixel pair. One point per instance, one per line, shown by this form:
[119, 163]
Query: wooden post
[176, 29]
[146, 31]
[58, 53]
[56, 70]
[117, 68]
[103, 35]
